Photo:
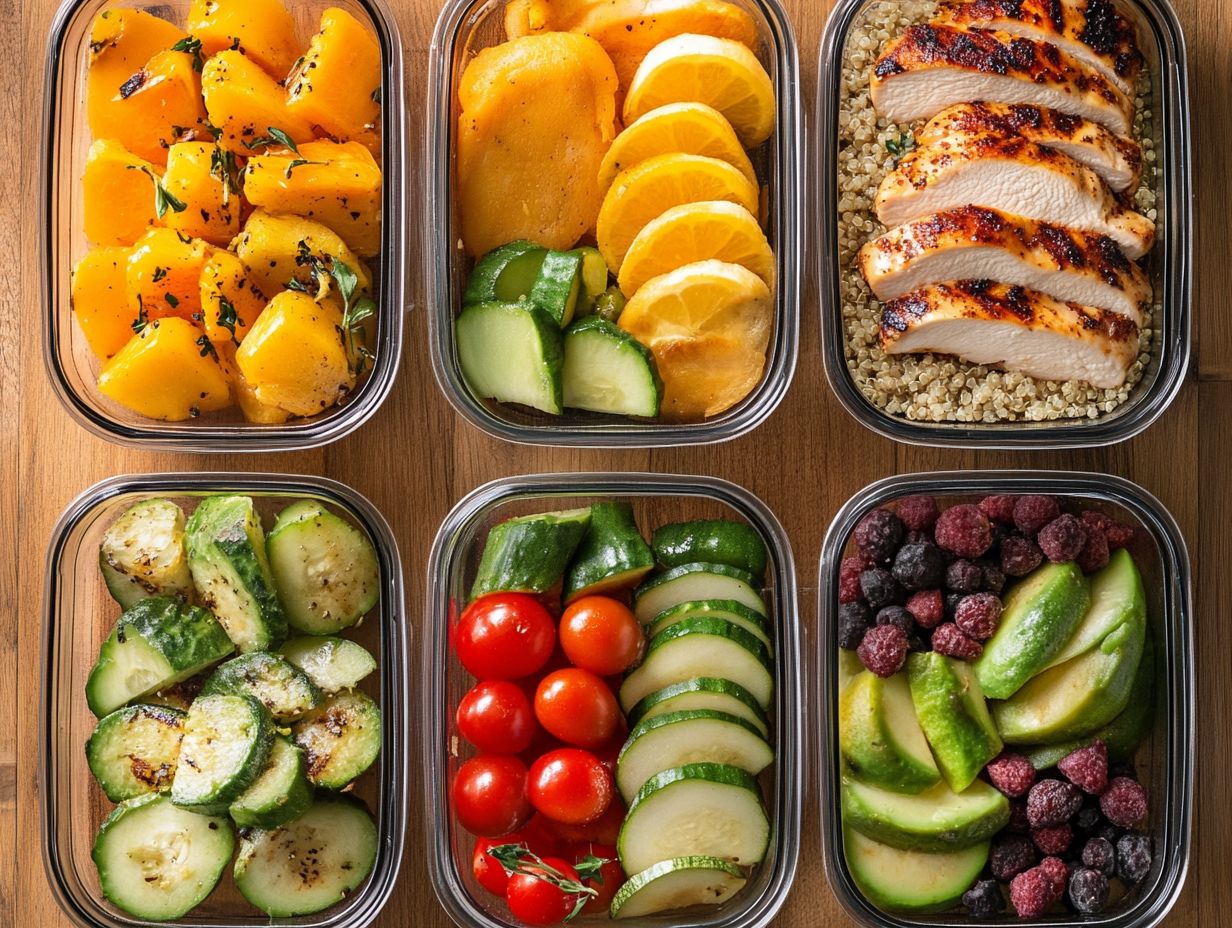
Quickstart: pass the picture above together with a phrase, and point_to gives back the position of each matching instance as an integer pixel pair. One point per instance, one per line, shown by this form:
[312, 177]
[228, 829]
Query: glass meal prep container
[79, 614]
[1164, 760]
[1168, 265]
[464, 28]
[71, 365]
[655, 498]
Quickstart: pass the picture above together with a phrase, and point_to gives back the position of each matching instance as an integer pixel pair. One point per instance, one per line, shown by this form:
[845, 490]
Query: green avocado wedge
[915, 882]
[880, 736]
[937, 819]
[951, 708]
[1116, 597]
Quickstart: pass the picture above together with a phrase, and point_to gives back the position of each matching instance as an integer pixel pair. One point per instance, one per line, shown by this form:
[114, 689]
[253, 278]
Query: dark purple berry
[918, 566]
[994, 576]
[898, 617]
[984, 899]
[1020, 556]
[880, 588]
[1032, 513]
[879, 534]
[1052, 802]
[918, 513]
[1099, 854]
[978, 615]
[1089, 817]
[964, 576]
[1063, 539]
[964, 530]
[1010, 855]
[1133, 857]
[1088, 891]
[1018, 824]
[854, 619]
[883, 650]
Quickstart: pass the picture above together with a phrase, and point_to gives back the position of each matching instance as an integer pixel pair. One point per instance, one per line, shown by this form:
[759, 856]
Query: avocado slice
[1116, 593]
[1040, 615]
[937, 819]
[950, 706]
[849, 668]
[880, 736]
[911, 881]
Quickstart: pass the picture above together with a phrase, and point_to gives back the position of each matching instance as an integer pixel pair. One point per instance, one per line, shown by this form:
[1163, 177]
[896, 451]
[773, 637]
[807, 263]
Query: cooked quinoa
[927, 387]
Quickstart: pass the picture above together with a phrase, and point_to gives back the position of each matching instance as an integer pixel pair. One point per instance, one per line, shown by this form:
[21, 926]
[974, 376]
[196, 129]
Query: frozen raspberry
[898, 617]
[1054, 839]
[1032, 513]
[1089, 817]
[1018, 824]
[1063, 539]
[849, 578]
[1119, 535]
[1093, 519]
[949, 639]
[1087, 768]
[1099, 854]
[918, 513]
[883, 650]
[880, 588]
[1094, 554]
[1031, 893]
[978, 615]
[1124, 802]
[1052, 802]
[927, 608]
[1057, 872]
[879, 534]
[964, 530]
[1020, 556]
[1133, 858]
[984, 899]
[1088, 891]
[854, 619]
[1009, 856]
[918, 566]
[964, 576]
[994, 576]
[1013, 774]
[999, 508]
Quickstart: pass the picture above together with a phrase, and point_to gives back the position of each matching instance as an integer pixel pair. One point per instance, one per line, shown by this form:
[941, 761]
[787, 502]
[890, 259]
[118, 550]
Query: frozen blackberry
[883, 650]
[1124, 802]
[1019, 556]
[1057, 872]
[880, 588]
[1032, 513]
[1088, 891]
[1011, 773]
[978, 615]
[854, 619]
[1133, 857]
[994, 576]
[1031, 893]
[1095, 553]
[964, 576]
[1119, 535]
[1010, 855]
[1052, 802]
[849, 578]
[898, 617]
[949, 639]
[999, 508]
[1054, 839]
[1099, 854]
[1108, 831]
[918, 566]
[1088, 818]
[1087, 768]
[879, 534]
[918, 513]
[984, 899]
[1062, 539]
[964, 530]
[927, 607]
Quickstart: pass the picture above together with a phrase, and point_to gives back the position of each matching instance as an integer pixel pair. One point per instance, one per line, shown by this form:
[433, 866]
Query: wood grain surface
[415, 458]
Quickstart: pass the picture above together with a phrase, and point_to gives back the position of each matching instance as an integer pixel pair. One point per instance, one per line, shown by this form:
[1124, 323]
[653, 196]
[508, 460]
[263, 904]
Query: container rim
[1148, 400]
[1177, 700]
[790, 707]
[239, 437]
[443, 299]
[393, 800]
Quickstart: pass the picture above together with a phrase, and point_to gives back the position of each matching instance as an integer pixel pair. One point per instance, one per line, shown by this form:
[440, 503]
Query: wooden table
[415, 458]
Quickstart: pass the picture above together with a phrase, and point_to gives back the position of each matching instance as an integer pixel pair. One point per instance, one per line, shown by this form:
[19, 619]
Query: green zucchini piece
[332, 664]
[226, 744]
[695, 583]
[613, 554]
[610, 304]
[555, 290]
[608, 370]
[134, 750]
[143, 554]
[529, 554]
[713, 541]
[280, 794]
[505, 274]
[303, 509]
[594, 278]
[341, 738]
[676, 884]
[702, 693]
[280, 686]
[511, 353]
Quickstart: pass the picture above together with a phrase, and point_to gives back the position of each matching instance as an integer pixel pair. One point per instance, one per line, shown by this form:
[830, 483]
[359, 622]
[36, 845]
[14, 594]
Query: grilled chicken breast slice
[972, 242]
[1014, 176]
[1014, 328]
[1117, 160]
[1092, 31]
[930, 67]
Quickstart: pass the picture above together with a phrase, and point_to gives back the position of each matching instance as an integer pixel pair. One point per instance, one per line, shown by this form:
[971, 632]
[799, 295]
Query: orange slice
[689, 128]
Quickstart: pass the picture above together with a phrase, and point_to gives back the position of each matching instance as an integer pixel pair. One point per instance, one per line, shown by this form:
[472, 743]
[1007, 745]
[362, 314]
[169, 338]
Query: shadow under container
[656, 499]
[1164, 760]
[79, 614]
[72, 367]
[1168, 266]
[464, 28]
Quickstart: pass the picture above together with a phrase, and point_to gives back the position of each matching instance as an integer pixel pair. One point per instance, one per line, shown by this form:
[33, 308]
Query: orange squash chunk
[117, 194]
[163, 276]
[203, 177]
[263, 30]
[271, 246]
[245, 102]
[538, 115]
[99, 302]
[121, 42]
[230, 298]
[169, 371]
[158, 105]
[340, 186]
[335, 84]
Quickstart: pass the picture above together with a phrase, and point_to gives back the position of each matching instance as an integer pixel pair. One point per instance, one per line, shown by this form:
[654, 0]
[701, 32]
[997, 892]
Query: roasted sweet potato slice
[117, 194]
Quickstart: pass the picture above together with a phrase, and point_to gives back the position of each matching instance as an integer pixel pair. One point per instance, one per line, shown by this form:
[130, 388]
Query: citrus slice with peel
[646, 190]
[689, 128]
[708, 325]
[702, 68]
[696, 232]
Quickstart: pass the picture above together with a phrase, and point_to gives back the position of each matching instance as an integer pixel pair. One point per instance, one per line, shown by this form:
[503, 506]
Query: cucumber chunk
[226, 744]
[613, 554]
[280, 794]
[332, 664]
[341, 739]
[695, 583]
[326, 571]
[699, 809]
[712, 541]
[156, 861]
[726, 609]
[937, 819]
[280, 686]
[555, 289]
[512, 353]
[608, 370]
[505, 274]
[155, 644]
[529, 554]
[134, 750]
[702, 693]
[311, 863]
[303, 509]
[142, 553]
[677, 884]
[911, 881]
[226, 553]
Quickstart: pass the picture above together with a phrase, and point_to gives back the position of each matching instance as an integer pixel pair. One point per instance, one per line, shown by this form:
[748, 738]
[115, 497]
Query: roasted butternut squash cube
[294, 357]
[205, 178]
[163, 276]
[99, 301]
[335, 85]
[245, 103]
[263, 30]
[169, 371]
[275, 245]
[340, 186]
[230, 298]
[117, 194]
[245, 396]
[158, 105]
[121, 42]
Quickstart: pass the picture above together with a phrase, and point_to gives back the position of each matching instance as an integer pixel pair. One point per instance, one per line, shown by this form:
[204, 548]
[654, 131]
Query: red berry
[1019, 556]
[949, 639]
[964, 530]
[1057, 871]
[883, 650]
[1013, 774]
[1087, 768]
[1032, 513]
[1094, 519]
[918, 513]
[1052, 802]
[978, 615]
[1031, 893]
[927, 607]
[849, 578]
[1094, 554]
[1063, 539]
[999, 508]
[1119, 535]
[1124, 802]
[1055, 839]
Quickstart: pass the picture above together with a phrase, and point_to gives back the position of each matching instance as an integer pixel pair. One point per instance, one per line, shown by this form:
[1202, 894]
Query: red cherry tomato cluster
[548, 727]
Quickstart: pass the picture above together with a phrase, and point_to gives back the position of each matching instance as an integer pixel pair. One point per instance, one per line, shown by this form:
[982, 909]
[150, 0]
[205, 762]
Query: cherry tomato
[489, 795]
[487, 869]
[601, 635]
[577, 707]
[541, 836]
[603, 830]
[497, 718]
[570, 786]
[504, 636]
[610, 878]
[538, 902]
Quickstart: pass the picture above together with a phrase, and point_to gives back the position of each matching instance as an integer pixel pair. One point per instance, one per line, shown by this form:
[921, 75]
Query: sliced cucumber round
[226, 743]
[911, 881]
[677, 884]
[702, 693]
[695, 583]
[302, 509]
[142, 553]
[280, 794]
[726, 609]
[608, 370]
[134, 750]
[311, 863]
[713, 541]
[156, 861]
[277, 684]
[332, 664]
[340, 738]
